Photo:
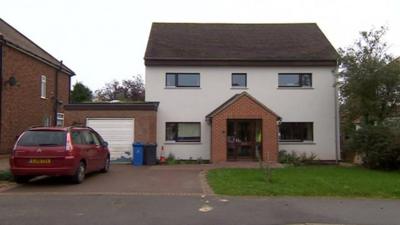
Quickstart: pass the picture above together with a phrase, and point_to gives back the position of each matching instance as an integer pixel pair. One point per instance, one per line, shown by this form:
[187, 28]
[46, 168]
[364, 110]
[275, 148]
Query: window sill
[182, 87]
[295, 88]
[44, 98]
[239, 88]
[181, 143]
[296, 143]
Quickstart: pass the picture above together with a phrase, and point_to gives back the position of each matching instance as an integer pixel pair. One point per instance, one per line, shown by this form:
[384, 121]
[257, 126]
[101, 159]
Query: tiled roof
[230, 43]
[16, 39]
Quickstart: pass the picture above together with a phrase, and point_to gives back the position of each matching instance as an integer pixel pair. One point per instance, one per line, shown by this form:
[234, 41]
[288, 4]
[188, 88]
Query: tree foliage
[370, 94]
[81, 93]
[370, 84]
[379, 146]
[127, 90]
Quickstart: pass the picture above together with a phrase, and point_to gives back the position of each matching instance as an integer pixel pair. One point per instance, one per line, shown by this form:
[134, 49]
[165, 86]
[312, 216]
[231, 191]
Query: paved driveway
[125, 179]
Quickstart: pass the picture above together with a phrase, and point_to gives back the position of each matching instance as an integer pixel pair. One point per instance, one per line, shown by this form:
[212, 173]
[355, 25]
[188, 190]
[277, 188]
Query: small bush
[379, 146]
[5, 175]
[171, 159]
[296, 159]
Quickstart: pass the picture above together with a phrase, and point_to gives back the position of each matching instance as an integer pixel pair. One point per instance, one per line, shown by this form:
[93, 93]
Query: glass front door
[243, 139]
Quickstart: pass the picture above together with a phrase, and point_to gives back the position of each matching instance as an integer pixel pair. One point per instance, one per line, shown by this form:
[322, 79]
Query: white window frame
[43, 86]
[176, 138]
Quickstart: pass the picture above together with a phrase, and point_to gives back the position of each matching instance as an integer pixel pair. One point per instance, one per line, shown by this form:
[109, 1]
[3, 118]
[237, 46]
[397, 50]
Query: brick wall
[244, 108]
[22, 106]
[145, 121]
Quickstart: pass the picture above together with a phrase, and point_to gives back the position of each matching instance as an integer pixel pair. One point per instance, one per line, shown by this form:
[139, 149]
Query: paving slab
[123, 179]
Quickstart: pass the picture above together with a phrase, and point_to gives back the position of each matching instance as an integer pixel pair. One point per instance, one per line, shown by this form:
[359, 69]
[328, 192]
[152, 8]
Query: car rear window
[43, 138]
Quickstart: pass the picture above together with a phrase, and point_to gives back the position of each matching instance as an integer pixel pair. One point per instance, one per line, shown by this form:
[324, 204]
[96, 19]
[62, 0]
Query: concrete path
[192, 210]
[125, 179]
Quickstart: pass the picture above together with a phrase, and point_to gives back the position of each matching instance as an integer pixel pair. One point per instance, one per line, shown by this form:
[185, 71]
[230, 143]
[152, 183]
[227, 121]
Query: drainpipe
[56, 101]
[1, 79]
[337, 117]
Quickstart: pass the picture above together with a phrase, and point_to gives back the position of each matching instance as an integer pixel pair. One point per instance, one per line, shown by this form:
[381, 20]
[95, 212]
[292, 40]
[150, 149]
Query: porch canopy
[243, 107]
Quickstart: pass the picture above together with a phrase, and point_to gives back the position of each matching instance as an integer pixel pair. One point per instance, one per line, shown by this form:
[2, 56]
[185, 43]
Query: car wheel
[80, 173]
[22, 179]
[106, 167]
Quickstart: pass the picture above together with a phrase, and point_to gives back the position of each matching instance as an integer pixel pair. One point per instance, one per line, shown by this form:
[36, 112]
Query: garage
[120, 124]
[118, 132]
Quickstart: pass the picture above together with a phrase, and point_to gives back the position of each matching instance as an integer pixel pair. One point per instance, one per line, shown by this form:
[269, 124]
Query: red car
[56, 151]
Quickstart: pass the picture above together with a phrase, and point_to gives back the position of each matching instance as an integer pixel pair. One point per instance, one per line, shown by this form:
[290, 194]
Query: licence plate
[40, 161]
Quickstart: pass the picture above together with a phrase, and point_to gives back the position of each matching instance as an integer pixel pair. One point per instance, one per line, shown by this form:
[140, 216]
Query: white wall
[293, 105]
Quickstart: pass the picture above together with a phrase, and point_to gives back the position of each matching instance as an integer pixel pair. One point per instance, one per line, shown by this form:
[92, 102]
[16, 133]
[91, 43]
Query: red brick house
[34, 86]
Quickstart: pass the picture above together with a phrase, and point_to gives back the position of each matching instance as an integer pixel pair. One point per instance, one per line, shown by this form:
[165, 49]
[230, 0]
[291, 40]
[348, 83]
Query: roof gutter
[236, 62]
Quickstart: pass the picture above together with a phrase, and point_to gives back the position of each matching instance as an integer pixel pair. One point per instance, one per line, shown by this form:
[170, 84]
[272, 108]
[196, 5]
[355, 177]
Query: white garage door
[119, 135]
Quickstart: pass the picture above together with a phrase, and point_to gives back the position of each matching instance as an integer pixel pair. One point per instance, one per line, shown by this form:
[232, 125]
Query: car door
[90, 150]
[79, 143]
[99, 156]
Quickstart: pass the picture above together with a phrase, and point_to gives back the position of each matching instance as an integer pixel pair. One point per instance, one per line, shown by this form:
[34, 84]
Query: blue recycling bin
[137, 154]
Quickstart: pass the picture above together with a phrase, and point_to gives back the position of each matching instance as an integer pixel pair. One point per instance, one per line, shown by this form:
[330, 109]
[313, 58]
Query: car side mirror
[105, 143]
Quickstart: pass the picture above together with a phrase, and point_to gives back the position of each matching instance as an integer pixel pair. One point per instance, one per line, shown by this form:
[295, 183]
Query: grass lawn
[307, 181]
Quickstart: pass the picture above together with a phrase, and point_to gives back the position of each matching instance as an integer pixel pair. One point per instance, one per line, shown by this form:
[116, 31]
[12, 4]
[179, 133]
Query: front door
[243, 139]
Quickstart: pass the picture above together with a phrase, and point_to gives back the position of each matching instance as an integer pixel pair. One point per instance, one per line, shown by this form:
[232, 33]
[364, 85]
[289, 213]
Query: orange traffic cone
[162, 155]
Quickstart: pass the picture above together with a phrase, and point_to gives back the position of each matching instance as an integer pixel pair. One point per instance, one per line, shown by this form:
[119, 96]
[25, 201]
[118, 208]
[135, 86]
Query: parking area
[125, 179]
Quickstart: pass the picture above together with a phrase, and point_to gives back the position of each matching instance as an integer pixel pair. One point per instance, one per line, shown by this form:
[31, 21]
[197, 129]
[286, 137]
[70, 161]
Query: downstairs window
[296, 131]
[183, 131]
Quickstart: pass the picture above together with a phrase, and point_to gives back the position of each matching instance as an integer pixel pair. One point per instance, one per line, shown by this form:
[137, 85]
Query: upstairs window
[43, 81]
[295, 80]
[183, 131]
[239, 80]
[182, 80]
[296, 131]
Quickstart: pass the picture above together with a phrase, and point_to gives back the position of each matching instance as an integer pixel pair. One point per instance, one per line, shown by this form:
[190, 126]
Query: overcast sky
[105, 40]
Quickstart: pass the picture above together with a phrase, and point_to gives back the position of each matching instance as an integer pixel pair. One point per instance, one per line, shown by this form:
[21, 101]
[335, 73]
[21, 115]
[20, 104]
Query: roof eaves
[19, 48]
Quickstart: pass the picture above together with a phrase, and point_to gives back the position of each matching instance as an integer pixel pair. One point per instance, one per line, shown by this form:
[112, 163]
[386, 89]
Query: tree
[134, 89]
[81, 93]
[370, 93]
[127, 90]
[370, 84]
[111, 91]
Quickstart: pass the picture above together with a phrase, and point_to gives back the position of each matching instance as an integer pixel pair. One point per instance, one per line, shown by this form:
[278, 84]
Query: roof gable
[238, 42]
[234, 99]
[17, 40]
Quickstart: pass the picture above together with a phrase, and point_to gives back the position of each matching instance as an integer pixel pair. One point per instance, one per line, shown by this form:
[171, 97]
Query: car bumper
[63, 171]
[67, 168]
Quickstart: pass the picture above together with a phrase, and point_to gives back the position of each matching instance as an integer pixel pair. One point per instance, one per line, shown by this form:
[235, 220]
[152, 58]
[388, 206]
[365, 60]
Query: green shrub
[171, 159]
[5, 175]
[378, 145]
[296, 159]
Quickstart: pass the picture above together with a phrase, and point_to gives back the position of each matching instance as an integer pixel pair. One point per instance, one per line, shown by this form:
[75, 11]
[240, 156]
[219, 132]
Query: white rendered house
[235, 91]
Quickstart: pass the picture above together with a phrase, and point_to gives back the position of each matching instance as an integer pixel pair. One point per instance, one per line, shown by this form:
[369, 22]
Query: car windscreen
[42, 138]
